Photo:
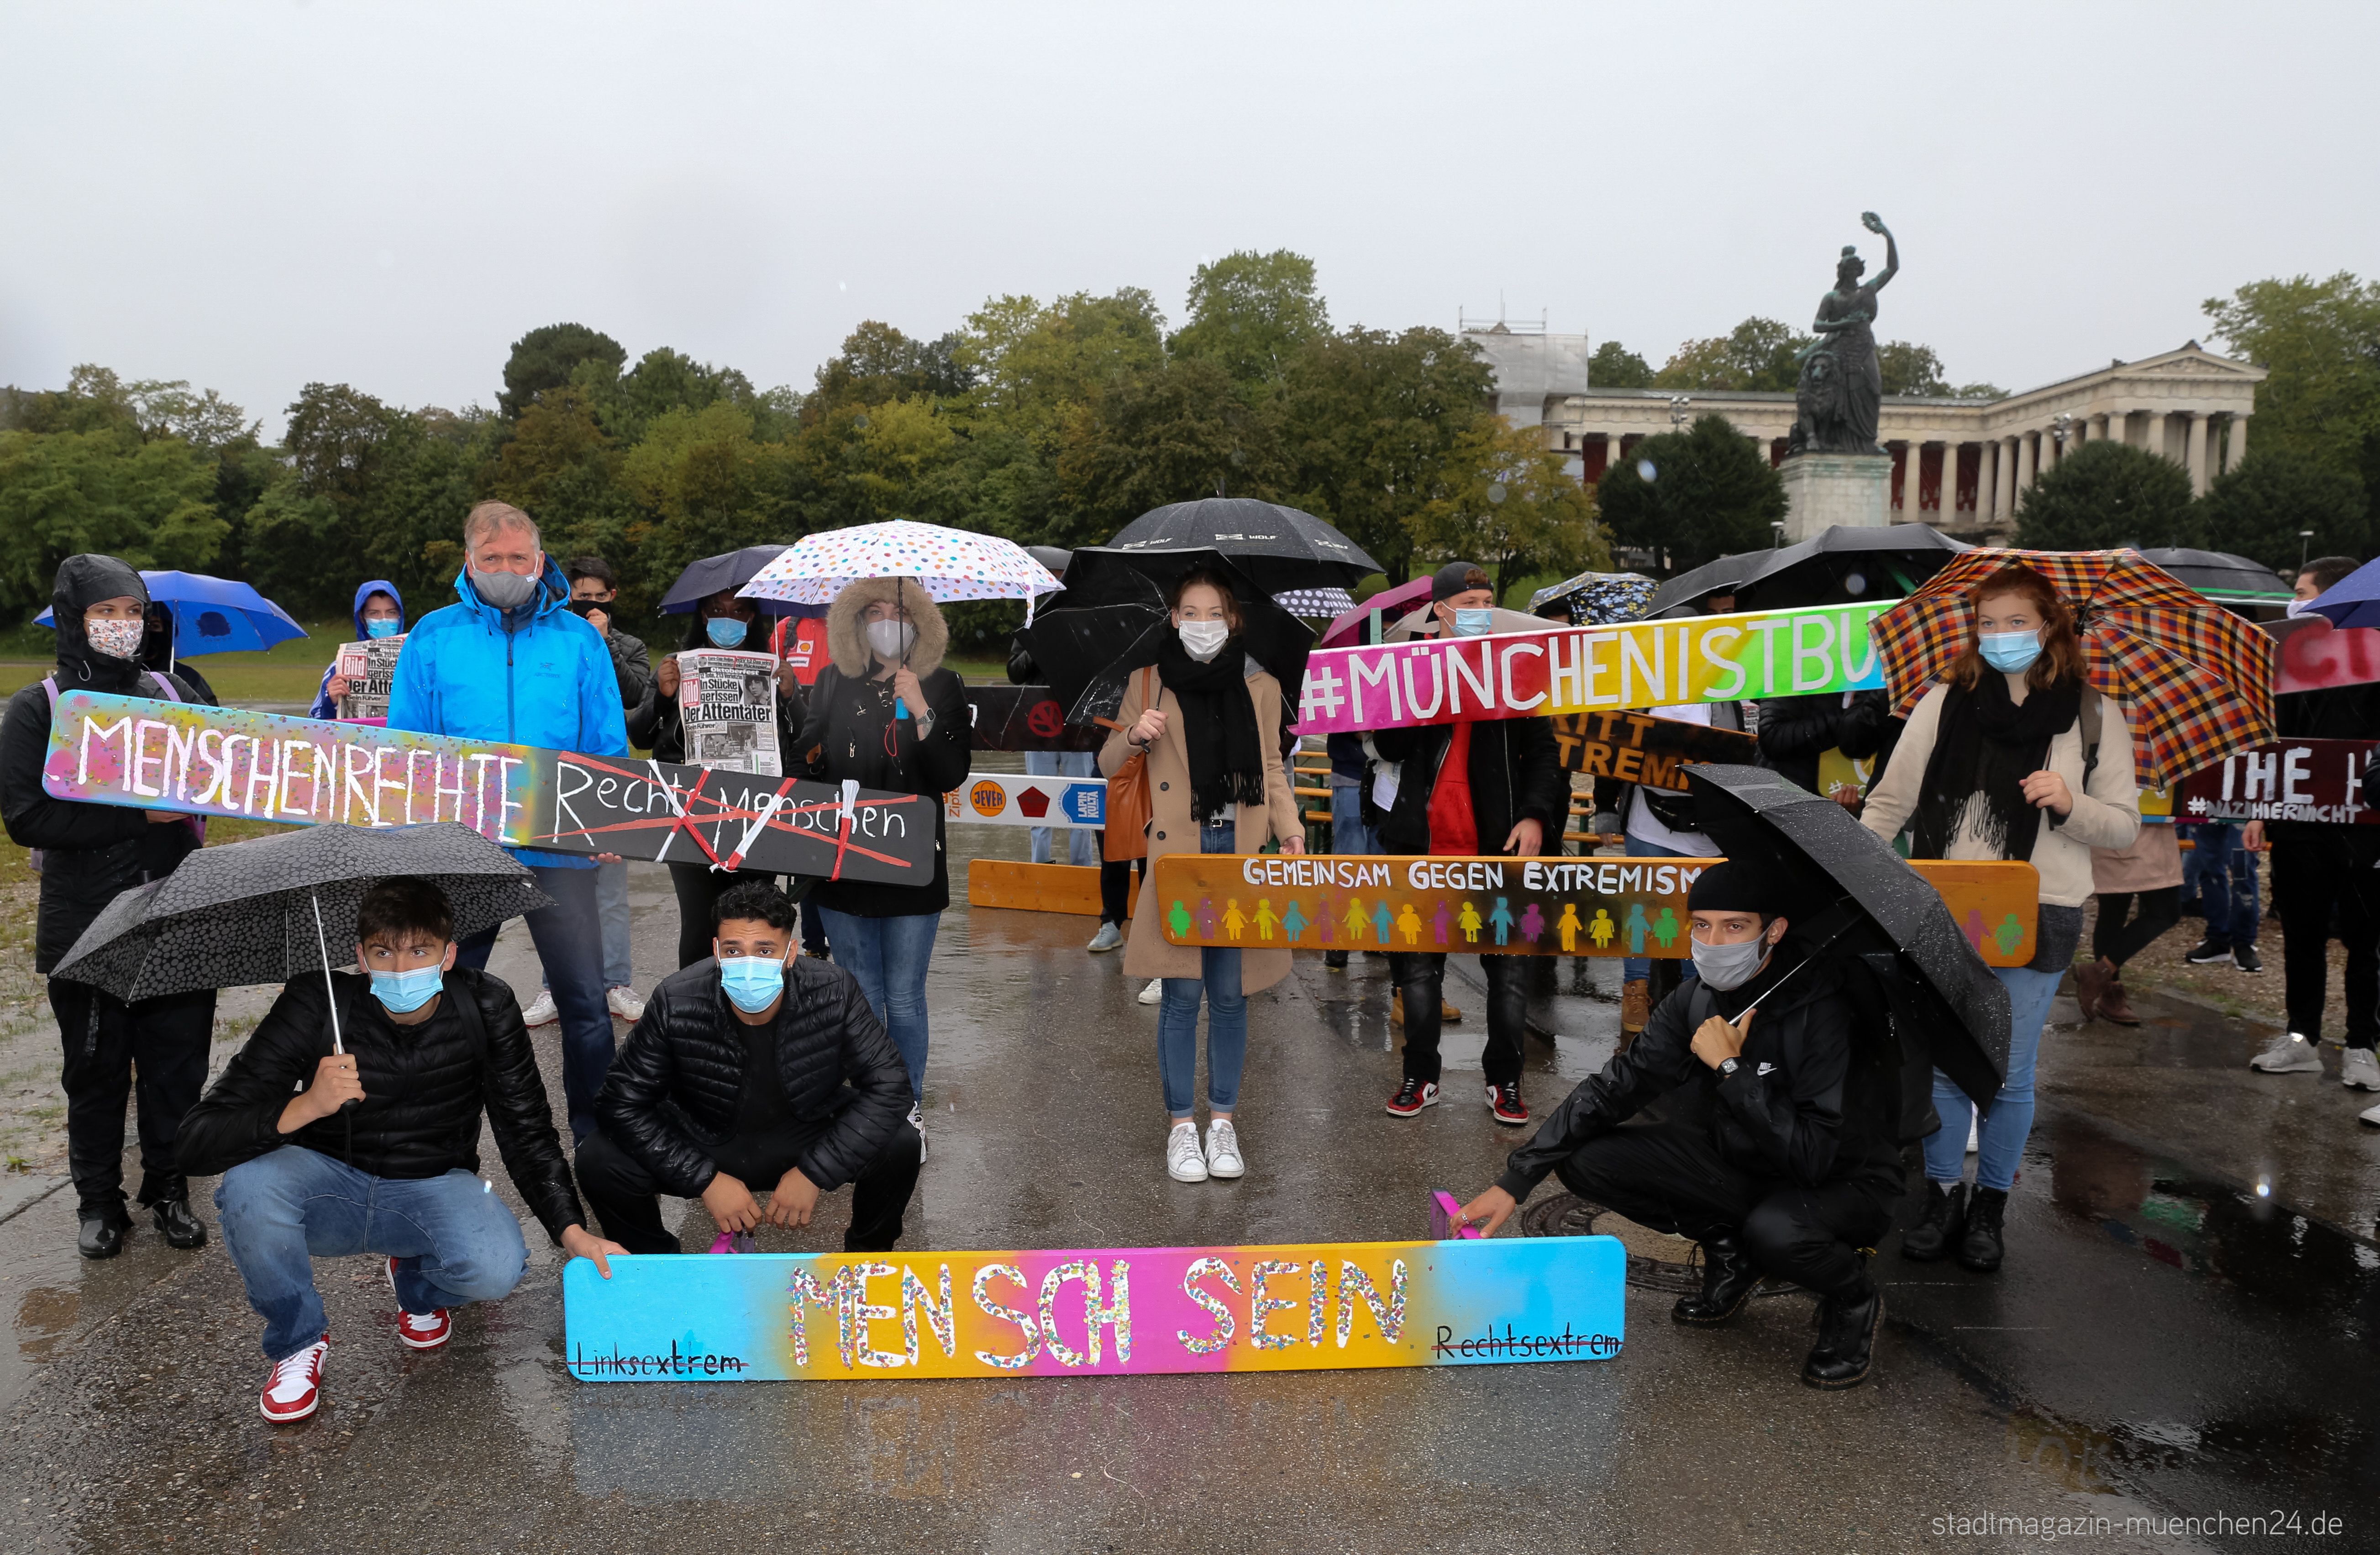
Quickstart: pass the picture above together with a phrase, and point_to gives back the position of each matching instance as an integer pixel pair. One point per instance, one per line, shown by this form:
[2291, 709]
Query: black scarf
[1219, 726]
[1985, 747]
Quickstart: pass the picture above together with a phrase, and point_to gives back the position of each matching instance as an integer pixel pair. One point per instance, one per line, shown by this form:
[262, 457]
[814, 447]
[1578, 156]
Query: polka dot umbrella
[947, 564]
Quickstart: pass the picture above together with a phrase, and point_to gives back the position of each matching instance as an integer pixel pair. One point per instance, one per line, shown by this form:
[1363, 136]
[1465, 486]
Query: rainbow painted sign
[812, 1317]
[1580, 669]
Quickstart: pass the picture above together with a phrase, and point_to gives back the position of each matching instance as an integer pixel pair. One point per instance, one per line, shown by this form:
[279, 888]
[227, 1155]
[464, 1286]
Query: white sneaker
[2288, 1053]
[2371, 1115]
[1223, 1149]
[1108, 937]
[540, 1010]
[1184, 1163]
[624, 1004]
[1974, 1135]
[2359, 1072]
[918, 1121]
[1154, 992]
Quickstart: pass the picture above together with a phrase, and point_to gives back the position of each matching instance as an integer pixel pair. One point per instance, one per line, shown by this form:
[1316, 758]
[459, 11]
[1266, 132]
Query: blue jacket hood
[365, 591]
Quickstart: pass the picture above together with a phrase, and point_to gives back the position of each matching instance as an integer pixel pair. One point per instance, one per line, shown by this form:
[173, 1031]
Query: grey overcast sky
[254, 196]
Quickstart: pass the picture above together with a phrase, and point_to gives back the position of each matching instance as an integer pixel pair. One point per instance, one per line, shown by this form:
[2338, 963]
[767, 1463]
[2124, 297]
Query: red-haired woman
[1997, 762]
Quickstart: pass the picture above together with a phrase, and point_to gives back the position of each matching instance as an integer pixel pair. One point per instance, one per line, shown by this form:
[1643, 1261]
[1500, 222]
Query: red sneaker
[294, 1389]
[1505, 1101]
[1411, 1097]
[419, 1331]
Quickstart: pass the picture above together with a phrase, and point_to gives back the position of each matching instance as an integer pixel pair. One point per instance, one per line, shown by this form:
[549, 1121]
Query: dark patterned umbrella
[229, 916]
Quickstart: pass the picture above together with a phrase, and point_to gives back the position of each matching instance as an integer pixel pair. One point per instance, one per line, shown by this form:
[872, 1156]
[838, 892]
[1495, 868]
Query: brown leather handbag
[1129, 809]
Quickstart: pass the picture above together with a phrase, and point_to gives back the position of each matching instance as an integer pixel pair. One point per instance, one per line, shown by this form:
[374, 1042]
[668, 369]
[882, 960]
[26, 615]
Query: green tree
[704, 486]
[1910, 369]
[2320, 340]
[2258, 507]
[1512, 506]
[1251, 314]
[546, 357]
[1712, 494]
[878, 363]
[559, 465]
[1614, 366]
[150, 501]
[2103, 495]
[1172, 434]
[1758, 354]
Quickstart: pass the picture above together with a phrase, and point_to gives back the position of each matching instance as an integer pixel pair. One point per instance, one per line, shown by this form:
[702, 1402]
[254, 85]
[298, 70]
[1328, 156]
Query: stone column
[2154, 439]
[2236, 444]
[2023, 465]
[2115, 427]
[1911, 461]
[1987, 484]
[1948, 512]
[2194, 456]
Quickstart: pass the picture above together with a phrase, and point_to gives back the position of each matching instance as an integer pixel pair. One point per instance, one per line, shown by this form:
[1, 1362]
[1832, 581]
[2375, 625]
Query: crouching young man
[428, 1048]
[1773, 1146]
[753, 1070]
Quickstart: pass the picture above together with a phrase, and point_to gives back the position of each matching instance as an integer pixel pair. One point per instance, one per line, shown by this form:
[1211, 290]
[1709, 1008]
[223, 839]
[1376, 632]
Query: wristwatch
[1726, 1068]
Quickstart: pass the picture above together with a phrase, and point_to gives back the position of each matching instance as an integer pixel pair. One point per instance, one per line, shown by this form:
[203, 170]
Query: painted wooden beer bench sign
[1015, 799]
[1583, 669]
[300, 772]
[1510, 907]
[2287, 780]
[810, 1316]
[1638, 747]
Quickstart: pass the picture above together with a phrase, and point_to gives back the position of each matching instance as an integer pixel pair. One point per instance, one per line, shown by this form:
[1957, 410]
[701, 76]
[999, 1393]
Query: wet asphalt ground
[2185, 1329]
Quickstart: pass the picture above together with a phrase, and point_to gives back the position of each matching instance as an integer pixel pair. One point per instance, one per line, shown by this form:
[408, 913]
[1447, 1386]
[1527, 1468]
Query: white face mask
[1203, 639]
[118, 639]
[1727, 967]
[890, 639]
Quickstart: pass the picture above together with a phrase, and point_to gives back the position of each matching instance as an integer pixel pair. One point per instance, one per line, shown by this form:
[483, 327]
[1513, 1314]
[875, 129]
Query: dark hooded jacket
[324, 707]
[1796, 731]
[89, 852]
[1814, 1100]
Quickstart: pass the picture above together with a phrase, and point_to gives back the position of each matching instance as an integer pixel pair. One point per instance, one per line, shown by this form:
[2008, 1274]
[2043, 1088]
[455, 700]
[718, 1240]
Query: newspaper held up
[727, 702]
[368, 667]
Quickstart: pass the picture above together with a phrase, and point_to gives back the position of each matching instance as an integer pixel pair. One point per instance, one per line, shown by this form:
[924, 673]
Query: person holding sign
[369, 1144]
[88, 854]
[1774, 1150]
[379, 613]
[753, 1070]
[1216, 784]
[1464, 789]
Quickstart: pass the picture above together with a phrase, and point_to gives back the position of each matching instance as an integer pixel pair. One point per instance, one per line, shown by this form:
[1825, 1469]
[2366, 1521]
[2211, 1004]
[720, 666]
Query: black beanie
[1454, 578]
[1736, 886]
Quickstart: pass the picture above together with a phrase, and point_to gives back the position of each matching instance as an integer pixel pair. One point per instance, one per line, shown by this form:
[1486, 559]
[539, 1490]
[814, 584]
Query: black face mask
[584, 608]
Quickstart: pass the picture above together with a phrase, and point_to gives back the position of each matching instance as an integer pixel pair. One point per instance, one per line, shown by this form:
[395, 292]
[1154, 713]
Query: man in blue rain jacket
[512, 662]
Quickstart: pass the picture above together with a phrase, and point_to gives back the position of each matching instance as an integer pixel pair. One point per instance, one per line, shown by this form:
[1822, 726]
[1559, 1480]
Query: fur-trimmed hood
[846, 640]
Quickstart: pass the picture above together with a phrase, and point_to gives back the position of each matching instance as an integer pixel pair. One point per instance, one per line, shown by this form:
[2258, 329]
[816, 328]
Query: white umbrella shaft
[322, 943]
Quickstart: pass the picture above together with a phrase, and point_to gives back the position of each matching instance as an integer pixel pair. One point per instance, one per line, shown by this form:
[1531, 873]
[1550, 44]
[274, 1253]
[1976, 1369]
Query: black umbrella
[2221, 575]
[1133, 585]
[1278, 548]
[726, 574]
[1845, 565]
[1866, 901]
[1683, 595]
[1071, 644]
[245, 913]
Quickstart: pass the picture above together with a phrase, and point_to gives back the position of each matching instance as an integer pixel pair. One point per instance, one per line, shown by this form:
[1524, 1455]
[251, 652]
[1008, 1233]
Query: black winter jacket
[1827, 1109]
[674, 1090]
[89, 852]
[1515, 773]
[1796, 731]
[425, 1088]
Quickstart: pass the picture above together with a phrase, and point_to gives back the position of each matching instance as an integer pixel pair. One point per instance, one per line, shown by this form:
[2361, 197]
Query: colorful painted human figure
[1205, 918]
[1568, 928]
[1384, 921]
[1533, 923]
[1975, 929]
[2011, 934]
[1468, 918]
[1357, 918]
[1293, 922]
[1410, 922]
[1233, 919]
[1633, 926]
[1438, 924]
[1265, 918]
[1601, 930]
[1501, 919]
[1323, 925]
[1180, 919]
[1665, 928]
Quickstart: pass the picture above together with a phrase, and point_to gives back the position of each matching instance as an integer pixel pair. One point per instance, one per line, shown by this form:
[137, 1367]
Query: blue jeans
[569, 940]
[1636, 968]
[1082, 841]
[1227, 1016]
[456, 1242]
[889, 957]
[2224, 874]
[2002, 1134]
[1348, 832]
[611, 903]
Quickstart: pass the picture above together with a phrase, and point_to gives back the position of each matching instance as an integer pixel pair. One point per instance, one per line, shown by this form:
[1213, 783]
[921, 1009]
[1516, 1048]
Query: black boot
[182, 1228]
[102, 1232]
[1335, 961]
[1939, 1232]
[1981, 1248]
[1847, 1325]
[1729, 1276]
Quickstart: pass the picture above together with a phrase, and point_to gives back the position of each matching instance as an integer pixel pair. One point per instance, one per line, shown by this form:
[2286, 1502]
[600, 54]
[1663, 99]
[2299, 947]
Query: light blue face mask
[752, 983]
[726, 631]
[1473, 623]
[2011, 652]
[384, 627]
[405, 992]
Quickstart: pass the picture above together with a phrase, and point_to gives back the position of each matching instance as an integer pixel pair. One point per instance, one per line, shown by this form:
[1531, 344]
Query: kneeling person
[753, 1069]
[398, 1174]
[1772, 1147]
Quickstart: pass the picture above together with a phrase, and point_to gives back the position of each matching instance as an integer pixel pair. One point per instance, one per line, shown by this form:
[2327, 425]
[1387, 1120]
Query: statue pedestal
[1822, 490]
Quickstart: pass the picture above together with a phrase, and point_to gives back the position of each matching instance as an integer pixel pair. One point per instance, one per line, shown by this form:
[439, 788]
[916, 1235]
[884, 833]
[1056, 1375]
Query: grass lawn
[289, 672]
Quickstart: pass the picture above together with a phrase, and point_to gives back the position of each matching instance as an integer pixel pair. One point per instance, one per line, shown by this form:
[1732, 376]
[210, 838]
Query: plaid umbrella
[1596, 599]
[2194, 680]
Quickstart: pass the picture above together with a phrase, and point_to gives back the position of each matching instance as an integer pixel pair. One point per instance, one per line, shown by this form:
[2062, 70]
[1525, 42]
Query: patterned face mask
[118, 639]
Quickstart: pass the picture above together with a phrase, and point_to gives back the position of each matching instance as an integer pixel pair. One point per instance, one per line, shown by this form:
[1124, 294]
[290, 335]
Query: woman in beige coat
[1210, 723]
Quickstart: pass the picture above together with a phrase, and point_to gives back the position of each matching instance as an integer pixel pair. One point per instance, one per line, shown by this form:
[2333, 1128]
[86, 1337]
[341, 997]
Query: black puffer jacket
[1515, 773]
[424, 1089]
[674, 1090]
[89, 852]
[1796, 731]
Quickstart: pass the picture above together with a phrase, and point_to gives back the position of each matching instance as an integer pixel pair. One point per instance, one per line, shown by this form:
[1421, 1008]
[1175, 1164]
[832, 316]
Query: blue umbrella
[214, 614]
[2353, 601]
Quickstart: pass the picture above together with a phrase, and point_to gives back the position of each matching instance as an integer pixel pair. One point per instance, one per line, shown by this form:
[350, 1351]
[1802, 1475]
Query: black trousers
[622, 1193]
[2118, 940]
[1668, 1175]
[2320, 883]
[699, 887]
[106, 1042]
[1420, 978]
[1115, 884]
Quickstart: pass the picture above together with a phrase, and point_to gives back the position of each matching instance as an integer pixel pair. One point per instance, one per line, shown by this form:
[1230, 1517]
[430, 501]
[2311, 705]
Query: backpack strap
[2090, 722]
